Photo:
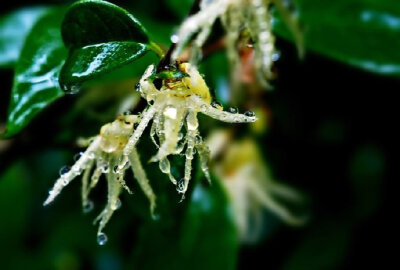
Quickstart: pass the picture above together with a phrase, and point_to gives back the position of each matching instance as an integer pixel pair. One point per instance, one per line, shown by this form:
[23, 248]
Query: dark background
[331, 135]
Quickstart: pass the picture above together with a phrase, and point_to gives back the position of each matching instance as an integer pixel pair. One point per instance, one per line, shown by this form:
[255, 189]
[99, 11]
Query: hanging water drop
[102, 239]
[164, 165]
[87, 206]
[250, 114]
[180, 186]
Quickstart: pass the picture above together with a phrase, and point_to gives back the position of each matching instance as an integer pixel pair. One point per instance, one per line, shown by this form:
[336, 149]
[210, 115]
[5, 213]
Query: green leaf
[14, 27]
[91, 22]
[92, 61]
[35, 80]
[209, 239]
[362, 33]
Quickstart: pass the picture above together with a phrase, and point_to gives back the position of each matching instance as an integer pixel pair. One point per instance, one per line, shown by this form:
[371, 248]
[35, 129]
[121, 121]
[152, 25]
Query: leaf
[102, 37]
[35, 80]
[362, 33]
[90, 22]
[92, 61]
[209, 238]
[13, 29]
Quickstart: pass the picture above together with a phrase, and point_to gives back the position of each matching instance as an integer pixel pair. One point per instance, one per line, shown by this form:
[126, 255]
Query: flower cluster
[245, 21]
[175, 97]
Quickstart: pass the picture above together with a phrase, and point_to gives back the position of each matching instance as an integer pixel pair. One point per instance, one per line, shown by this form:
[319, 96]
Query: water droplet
[156, 216]
[198, 139]
[174, 38]
[64, 170]
[217, 105]
[65, 182]
[250, 114]
[170, 112]
[78, 156]
[137, 87]
[102, 239]
[233, 110]
[91, 155]
[87, 206]
[164, 165]
[180, 186]
[116, 169]
[117, 205]
[105, 168]
[276, 56]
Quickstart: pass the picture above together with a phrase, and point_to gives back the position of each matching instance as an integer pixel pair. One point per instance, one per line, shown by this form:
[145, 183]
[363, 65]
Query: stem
[155, 48]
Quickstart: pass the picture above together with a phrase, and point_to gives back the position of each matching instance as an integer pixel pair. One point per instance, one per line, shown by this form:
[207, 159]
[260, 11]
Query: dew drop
[91, 155]
[180, 186]
[276, 56]
[198, 139]
[117, 205]
[174, 38]
[164, 165]
[217, 105]
[233, 110]
[78, 156]
[65, 182]
[64, 170]
[105, 168]
[249, 114]
[137, 87]
[102, 239]
[88, 206]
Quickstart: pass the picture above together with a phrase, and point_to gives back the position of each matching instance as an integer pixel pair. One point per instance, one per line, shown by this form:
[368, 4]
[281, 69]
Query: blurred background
[327, 131]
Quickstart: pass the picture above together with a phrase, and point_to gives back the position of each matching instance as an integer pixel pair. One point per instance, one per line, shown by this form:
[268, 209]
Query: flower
[102, 157]
[181, 94]
[245, 21]
[251, 187]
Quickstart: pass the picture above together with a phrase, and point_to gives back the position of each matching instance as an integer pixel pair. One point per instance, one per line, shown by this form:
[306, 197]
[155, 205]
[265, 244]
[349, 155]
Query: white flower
[238, 17]
[174, 108]
[102, 157]
[250, 186]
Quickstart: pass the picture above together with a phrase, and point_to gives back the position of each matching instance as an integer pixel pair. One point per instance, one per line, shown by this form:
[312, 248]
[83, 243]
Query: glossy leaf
[35, 81]
[363, 33]
[94, 60]
[13, 29]
[92, 22]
